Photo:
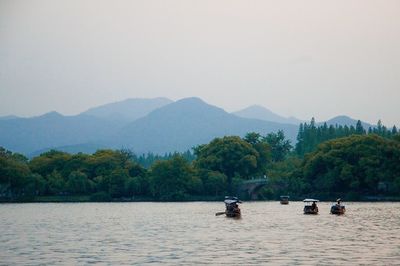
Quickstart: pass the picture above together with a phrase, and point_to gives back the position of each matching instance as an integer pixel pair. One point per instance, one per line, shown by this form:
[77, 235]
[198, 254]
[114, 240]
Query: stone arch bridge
[251, 187]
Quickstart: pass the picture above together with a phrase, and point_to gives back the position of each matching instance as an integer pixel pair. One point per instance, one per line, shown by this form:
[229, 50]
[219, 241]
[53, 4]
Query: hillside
[51, 130]
[127, 110]
[262, 113]
[343, 120]
[143, 125]
[189, 122]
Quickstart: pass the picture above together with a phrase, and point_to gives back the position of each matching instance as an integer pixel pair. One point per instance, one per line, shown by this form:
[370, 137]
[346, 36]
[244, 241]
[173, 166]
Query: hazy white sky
[297, 58]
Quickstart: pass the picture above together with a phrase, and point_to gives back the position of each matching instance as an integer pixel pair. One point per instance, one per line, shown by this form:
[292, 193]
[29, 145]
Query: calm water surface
[190, 233]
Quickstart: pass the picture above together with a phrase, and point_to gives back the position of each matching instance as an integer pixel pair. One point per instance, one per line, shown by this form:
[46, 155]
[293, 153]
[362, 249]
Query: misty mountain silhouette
[189, 122]
[262, 113]
[52, 130]
[162, 126]
[342, 120]
[127, 110]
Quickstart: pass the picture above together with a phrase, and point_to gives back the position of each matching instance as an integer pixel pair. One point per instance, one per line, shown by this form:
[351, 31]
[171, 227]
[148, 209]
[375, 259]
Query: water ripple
[190, 233]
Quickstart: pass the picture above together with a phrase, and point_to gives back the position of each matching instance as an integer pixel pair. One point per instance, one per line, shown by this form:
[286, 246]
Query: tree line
[148, 159]
[326, 162]
[310, 134]
[119, 174]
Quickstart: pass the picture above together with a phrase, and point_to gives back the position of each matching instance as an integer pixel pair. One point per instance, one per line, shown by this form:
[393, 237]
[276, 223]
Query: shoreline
[87, 199]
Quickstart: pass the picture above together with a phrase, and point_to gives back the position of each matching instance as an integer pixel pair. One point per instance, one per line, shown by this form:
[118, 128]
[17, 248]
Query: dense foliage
[230, 156]
[353, 166]
[327, 162]
[148, 159]
[310, 135]
[109, 174]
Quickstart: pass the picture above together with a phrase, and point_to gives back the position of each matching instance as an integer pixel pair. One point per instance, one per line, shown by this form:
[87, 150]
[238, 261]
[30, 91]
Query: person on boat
[230, 207]
[314, 205]
[338, 203]
[236, 208]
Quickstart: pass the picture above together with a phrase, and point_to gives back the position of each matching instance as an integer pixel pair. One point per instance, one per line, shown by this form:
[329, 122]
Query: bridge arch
[251, 187]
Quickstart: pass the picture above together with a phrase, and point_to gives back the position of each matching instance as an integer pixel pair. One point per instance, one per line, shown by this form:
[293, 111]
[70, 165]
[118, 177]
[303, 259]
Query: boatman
[338, 202]
[314, 205]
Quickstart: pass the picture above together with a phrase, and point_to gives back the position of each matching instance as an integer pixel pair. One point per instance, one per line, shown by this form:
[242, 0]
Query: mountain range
[343, 120]
[128, 110]
[156, 125]
[262, 113]
[188, 122]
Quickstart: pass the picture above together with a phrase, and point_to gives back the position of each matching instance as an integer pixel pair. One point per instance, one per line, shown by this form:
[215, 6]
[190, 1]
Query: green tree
[48, 162]
[40, 185]
[15, 175]
[394, 130]
[172, 179]
[228, 155]
[117, 181]
[56, 183]
[103, 162]
[354, 164]
[359, 128]
[281, 180]
[78, 183]
[215, 183]
[280, 147]
[253, 138]
[264, 151]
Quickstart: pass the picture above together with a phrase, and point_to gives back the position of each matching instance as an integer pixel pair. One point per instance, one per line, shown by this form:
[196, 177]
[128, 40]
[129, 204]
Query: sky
[297, 58]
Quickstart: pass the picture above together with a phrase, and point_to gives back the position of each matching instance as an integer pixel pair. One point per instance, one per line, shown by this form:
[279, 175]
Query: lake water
[190, 233]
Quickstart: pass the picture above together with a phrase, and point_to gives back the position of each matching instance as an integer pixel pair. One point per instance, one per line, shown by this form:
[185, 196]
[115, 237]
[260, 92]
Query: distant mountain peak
[128, 109]
[191, 103]
[52, 114]
[260, 112]
[257, 106]
[191, 100]
[189, 122]
[343, 117]
[188, 106]
[342, 120]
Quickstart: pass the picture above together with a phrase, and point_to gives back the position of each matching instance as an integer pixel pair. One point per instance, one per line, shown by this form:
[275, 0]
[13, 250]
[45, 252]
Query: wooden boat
[310, 206]
[338, 208]
[284, 200]
[231, 207]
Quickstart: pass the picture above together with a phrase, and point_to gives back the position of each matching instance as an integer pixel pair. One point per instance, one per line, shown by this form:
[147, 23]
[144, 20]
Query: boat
[338, 208]
[284, 200]
[231, 207]
[310, 206]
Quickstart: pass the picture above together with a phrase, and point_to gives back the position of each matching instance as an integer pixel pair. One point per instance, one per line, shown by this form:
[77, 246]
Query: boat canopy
[310, 200]
[231, 200]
